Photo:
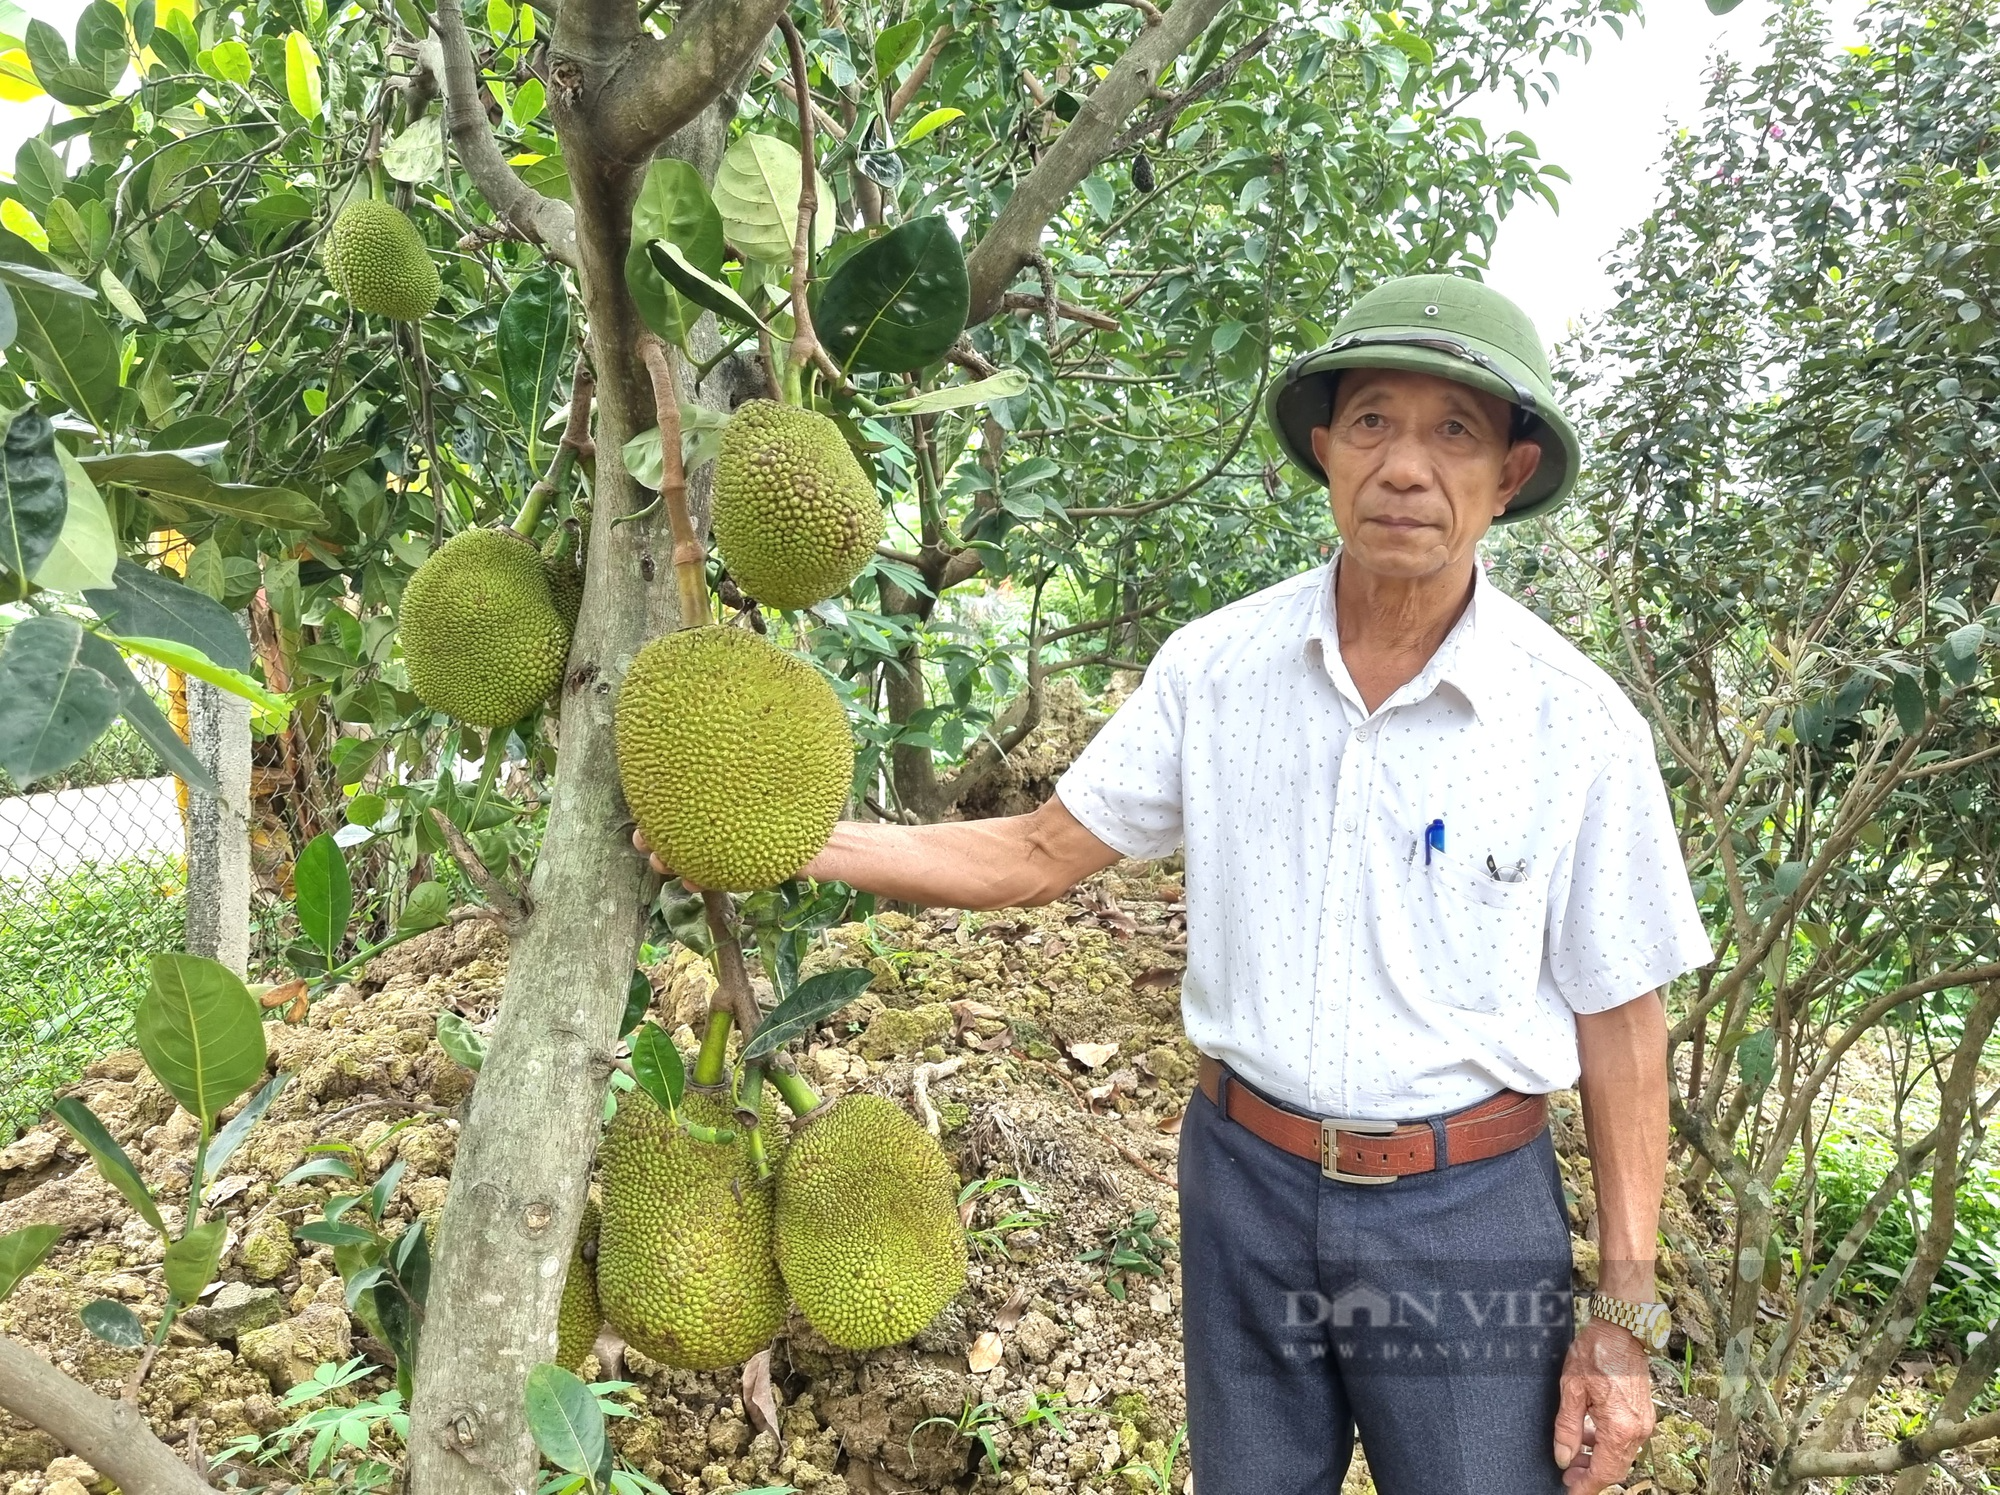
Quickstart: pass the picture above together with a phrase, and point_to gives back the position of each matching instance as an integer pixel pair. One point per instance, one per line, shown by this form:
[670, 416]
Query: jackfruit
[480, 630]
[795, 516]
[735, 756]
[376, 259]
[577, 1320]
[684, 1266]
[869, 1238]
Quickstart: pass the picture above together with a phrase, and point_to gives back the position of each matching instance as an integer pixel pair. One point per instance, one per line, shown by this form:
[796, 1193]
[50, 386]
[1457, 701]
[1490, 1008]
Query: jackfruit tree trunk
[523, 1164]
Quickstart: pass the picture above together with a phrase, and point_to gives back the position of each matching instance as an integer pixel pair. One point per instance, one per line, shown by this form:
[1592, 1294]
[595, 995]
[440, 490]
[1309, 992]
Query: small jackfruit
[376, 259]
[795, 516]
[684, 1266]
[735, 756]
[562, 562]
[480, 631]
[869, 1238]
[577, 1320]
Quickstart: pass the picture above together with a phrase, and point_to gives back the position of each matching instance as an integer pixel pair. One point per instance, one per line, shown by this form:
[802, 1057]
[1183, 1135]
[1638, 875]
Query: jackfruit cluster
[578, 1318]
[795, 516]
[480, 630]
[868, 1234]
[377, 260]
[735, 756]
[685, 1268]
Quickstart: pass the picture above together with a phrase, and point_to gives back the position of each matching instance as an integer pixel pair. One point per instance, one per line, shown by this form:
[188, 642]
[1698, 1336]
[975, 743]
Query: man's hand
[1607, 1412]
[646, 848]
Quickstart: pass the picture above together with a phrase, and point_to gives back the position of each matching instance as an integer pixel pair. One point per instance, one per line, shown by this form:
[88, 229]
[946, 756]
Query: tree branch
[1085, 141]
[690, 559]
[920, 74]
[513, 907]
[806, 348]
[1919, 1448]
[446, 54]
[112, 1437]
[662, 84]
[1207, 83]
[1023, 301]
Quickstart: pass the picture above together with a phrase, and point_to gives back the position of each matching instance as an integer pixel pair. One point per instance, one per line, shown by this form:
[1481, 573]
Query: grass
[73, 961]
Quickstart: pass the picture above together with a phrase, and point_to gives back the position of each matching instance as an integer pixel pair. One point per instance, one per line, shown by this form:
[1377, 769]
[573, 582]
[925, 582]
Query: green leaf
[642, 458]
[76, 83]
[321, 1167]
[324, 893]
[120, 295]
[1722, 7]
[201, 1033]
[191, 1261]
[417, 153]
[144, 714]
[427, 906]
[1001, 386]
[228, 61]
[1756, 1059]
[33, 277]
[302, 75]
[897, 44]
[757, 194]
[21, 1251]
[812, 1002]
[564, 1419]
[114, 1323]
[702, 289]
[268, 713]
[657, 1066]
[1907, 694]
[116, 1167]
[86, 552]
[100, 43]
[456, 1038]
[1966, 642]
[638, 997]
[231, 1136]
[533, 337]
[9, 323]
[53, 706]
[674, 205]
[170, 475]
[33, 497]
[936, 120]
[334, 1233]
[71, 350]
[897, 303]
[145, 604]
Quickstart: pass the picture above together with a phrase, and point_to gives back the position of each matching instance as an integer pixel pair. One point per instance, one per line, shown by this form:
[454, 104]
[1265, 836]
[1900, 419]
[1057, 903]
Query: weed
[1045, 1406]
[992, 1238]
[1135, 1246]
[1157, 1473]
[976, 1423]
[344, 1440]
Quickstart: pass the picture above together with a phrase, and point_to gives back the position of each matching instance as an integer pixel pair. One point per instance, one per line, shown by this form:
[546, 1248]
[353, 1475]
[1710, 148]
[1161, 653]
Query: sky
[1605, 127]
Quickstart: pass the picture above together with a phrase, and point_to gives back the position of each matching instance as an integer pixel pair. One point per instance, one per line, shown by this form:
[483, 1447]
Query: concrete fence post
[218, 838]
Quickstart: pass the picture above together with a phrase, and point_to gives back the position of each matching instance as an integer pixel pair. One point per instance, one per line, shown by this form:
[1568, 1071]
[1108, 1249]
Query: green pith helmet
[1453, 327]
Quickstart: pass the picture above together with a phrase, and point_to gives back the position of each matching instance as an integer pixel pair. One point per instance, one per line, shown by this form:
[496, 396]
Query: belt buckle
[1330, 1128]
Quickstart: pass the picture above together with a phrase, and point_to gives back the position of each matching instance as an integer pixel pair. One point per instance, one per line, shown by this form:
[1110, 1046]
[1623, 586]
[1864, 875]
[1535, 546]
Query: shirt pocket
[1464, 938]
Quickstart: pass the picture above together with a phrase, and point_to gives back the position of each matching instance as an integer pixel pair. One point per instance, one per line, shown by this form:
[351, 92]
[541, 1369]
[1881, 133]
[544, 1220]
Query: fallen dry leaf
[1093, 1055]
[1171, 1125]
[278, 996]
[1157, 976]
[1011, 1311]
[757, 1398]
[982, 1357]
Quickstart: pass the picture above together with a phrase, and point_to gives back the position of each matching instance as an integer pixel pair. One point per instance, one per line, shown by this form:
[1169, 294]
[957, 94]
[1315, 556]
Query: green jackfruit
[376, 259]
[796, 517]
[735, 755]
[578, 1318]
[684, 1266]
[869, 1238]
[481, 634]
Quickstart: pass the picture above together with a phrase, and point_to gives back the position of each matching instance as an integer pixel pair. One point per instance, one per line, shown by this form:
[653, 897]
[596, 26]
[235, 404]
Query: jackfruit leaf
[86, 552]
[190, 1262]
[657, 1066]
[120, 295]
[898, 303]
[21, 1251]
[642, 458]
[638, 997]
[69, 81]
[171, 476]
[1001, 386]
[427, 906]
[456, 1038]
[302, 78]
[813, 1001]
[896, 44]
[137, 704]
[324, 893]
[114, 1323]
[674, 205]
[702, 289]
[34, 501]
[533, 336]
[145, 604]
[399, 1329]
[70, 349]
[268, 713]
[113, 1163]
[417, 154]
[565, 1420]
[56, 706]
[33, 277]
[1756, 1059]
[1907, 695]
[231, 1136]
[932, 122]
[757, 194]
[411, 1257]
[334, 1233]
[201, 1033]
[671, 316]
[8, 323]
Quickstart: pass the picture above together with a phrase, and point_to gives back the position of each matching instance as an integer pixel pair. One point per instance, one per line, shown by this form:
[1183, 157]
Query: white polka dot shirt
[1397, 913]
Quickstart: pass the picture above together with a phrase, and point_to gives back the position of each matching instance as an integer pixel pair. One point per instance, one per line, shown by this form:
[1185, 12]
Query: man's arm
[1008, 862]
[1622, 1053]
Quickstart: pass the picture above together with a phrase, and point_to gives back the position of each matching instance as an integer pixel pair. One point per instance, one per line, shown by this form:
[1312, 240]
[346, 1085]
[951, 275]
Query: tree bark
[112, 1437]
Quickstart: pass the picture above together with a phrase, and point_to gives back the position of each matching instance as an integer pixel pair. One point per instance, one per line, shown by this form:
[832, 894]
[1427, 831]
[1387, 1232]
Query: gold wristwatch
[1649, 1323]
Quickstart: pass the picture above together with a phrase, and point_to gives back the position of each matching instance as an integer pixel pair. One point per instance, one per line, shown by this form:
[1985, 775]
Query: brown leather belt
[1374, 1152]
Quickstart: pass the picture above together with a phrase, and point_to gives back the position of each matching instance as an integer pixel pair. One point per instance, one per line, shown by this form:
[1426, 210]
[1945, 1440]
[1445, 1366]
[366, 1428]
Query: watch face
[1654, 1325]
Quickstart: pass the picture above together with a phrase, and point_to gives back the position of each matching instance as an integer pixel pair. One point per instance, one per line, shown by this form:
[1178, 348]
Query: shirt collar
[1461, 661]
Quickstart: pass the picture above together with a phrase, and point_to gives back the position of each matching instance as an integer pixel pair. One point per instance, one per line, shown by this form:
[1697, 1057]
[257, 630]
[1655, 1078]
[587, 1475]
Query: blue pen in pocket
[1433, 838]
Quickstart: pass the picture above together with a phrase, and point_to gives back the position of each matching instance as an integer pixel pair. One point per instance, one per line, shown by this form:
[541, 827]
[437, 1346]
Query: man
[1431, 876]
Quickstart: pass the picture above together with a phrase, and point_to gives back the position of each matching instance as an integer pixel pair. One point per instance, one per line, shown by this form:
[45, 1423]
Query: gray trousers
[1432, 1314]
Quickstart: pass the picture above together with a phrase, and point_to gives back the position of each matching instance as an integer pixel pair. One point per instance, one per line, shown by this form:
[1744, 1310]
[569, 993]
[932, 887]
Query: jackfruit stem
[806, 347]
[747, 1103]
[690, 559]
[575, 440]
[714, 1046]
[732, 977]
[795, 1092]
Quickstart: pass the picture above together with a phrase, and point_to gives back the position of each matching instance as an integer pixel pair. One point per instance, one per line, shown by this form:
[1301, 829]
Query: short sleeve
[1125, 786]
[1624, 921]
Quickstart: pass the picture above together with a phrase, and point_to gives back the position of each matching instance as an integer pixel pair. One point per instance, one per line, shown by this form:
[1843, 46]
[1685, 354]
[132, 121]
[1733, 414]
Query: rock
[27, 1448]
[125, 1064]
[267, 1252]
[289, 1351]
[1038, 1336]
[71, 1467]
[236, 1310]
[906, 1030]
[64, 1487]
[31, 1152]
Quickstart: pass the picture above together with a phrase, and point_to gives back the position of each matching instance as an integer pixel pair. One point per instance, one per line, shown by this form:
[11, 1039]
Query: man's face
[1418, 468]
